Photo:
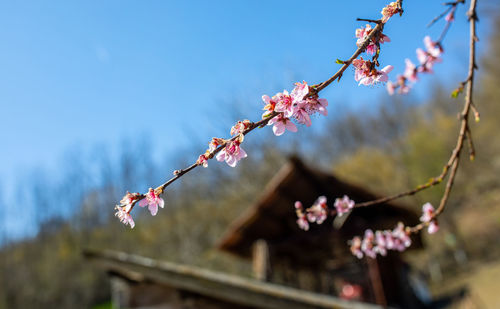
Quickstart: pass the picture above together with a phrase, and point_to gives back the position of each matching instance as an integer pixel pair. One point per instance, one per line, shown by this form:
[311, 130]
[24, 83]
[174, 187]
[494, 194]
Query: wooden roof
[234, 289]
[273, 217]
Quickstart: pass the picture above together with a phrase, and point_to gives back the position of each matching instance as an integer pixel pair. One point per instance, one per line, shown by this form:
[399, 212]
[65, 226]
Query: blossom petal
[278, 128]
[221, 156]
[290, 126]
[153, 208]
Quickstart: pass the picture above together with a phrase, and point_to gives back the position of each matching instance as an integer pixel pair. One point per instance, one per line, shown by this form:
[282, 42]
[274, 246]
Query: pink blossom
[428, 214]
[303, 223]
[410, 71]
[301, 217]
[313, 105]
[428, 58]
[366, 73]
[308, 107]
[232, 153]
[302, 115]
[433, 227]
[124, 216]
[269, 107]
[300, 91]
[400, 85]
[123, 210]
[363, 33]
[367, 244]
[203, 159]
[376, 76]
[152, 200]
[240, 127]
[432, 47]
[343, 205]
[284, 103]
[280, 123]
[389, 10]
[356, 247]
[129, 198]
[214, 143]
[400, 237]
[318, 211]
[380, 241]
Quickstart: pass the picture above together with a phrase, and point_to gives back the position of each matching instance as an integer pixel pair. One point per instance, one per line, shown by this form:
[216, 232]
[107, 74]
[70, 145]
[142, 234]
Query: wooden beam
[221, 286]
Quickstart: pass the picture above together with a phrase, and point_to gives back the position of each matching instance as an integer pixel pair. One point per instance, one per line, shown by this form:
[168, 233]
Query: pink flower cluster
[362, 35]
[297, 105]
[367, 74]
[428, 213]
[427, 58]
[232, 151]
[380, 242]
[152, 200]
[318, 212]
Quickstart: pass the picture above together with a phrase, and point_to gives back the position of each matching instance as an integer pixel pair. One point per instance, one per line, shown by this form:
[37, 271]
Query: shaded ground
[481, 282]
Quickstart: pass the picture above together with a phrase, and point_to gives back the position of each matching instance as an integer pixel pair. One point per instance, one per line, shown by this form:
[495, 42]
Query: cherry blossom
[356, 247]
[315, 105]
[303, 223]
[232, 153]
[123, 210]
[129, 198]
[379, 242]
[429, 57]
[367, 245]
[301, 115]
[300, 91]
[366, 73]
[124, 216]
[240, 127]
[426, 58]
[410, 71]
[301, 217]
[428, 213]
[362, 34]
[280, 123]
[269, 107]
[343, 205]
[214, 143]
[284, 103]
[318, 211]
[203, 159]
[152, 200]
[389, 10]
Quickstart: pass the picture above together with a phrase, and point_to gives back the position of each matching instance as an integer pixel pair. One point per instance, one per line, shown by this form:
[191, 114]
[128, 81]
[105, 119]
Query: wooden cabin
[319, 260]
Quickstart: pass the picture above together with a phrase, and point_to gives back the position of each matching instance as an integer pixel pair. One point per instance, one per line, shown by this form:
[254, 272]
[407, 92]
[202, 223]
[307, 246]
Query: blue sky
[86, 72]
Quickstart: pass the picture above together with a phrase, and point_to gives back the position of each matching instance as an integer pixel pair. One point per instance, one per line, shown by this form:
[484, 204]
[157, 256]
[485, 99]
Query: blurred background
[98, 98]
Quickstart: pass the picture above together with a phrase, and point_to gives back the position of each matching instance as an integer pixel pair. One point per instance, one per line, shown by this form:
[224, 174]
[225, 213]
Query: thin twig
[464, 115]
